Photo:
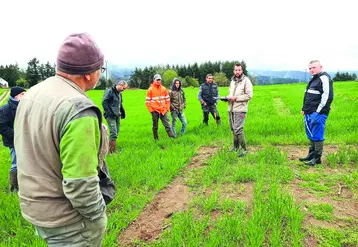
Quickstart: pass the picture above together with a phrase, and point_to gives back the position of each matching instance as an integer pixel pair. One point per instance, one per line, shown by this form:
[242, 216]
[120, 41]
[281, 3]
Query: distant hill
[118, 73]
[288, 76]
[298, 76]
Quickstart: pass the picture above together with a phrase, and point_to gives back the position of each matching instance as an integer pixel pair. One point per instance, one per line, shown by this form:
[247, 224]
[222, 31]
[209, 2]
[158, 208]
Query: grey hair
[315, 61]
[123, 83]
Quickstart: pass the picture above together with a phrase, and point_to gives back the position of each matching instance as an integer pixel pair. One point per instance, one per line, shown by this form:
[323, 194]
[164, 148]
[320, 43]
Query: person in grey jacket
[58, 143]
[240, 92]
[177, 105]
[112, 103]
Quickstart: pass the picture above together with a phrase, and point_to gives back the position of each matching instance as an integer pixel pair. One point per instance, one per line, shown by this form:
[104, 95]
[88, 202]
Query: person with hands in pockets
[316, 107]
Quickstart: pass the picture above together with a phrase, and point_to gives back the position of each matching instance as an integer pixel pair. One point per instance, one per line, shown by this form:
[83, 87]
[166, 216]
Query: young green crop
[143, 167]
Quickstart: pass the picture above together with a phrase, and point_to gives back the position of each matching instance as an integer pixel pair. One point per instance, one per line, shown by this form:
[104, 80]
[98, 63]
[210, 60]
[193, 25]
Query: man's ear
[88, 77]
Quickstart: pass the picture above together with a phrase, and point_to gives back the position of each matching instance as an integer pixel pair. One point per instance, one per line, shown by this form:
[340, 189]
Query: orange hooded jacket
[157, 98]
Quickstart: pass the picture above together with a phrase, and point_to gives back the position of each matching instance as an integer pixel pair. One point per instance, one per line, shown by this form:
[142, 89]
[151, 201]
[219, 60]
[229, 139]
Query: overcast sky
[267, 34]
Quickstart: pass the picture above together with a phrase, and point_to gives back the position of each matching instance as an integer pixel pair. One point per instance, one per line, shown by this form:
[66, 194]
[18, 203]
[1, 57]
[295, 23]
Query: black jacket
[208, 93]
[112, 103]
[7, 117]
[315, 96]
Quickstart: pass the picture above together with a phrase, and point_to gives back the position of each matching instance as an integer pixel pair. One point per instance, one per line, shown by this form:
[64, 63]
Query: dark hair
[237, 65]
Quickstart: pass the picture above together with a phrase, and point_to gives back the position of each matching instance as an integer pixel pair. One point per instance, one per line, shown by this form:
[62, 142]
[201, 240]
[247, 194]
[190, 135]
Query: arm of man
[325, 94]
[167, 100]
[199, 96]
[148, 100]
[217, 95]
[79, 147]
[123, 112]
[172, 108]
[5, 130]
[247, 93]
[184, 99]
[106, 101]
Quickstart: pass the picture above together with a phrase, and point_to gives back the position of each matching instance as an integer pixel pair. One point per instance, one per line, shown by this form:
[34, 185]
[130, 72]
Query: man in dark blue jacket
[7, 117]
[316, 106]
[208, 97]
[114, 111]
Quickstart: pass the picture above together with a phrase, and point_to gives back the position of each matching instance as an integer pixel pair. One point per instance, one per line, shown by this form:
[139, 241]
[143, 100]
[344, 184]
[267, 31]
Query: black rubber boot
[155, 134]
[236, 144]
[14, 187]
[310, 153]
[206, 118]
[171, 134]
[317, 154]
[218, 120]
[242, 143]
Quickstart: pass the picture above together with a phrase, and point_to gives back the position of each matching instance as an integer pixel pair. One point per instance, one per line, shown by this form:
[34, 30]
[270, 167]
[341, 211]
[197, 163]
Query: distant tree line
[345, 77]
[190, 74]
[268, 80]
[34, 73]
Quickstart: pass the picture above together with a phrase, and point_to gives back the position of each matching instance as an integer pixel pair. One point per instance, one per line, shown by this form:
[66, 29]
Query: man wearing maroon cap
[7, 118]
[58, 141]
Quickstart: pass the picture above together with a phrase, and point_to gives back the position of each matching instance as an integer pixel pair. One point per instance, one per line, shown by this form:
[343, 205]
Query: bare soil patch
[343, 209]
[151, 222]
[310, 241]
[242, 192]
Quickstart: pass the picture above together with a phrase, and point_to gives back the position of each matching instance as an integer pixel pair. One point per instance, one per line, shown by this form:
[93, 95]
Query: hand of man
[203, 103]
[231, 98]
[123, 113]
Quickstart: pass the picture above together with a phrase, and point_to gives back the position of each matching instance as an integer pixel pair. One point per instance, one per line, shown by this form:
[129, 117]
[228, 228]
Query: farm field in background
[267, 198]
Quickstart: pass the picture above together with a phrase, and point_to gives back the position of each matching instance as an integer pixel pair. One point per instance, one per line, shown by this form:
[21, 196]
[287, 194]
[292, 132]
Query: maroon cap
[79, 55]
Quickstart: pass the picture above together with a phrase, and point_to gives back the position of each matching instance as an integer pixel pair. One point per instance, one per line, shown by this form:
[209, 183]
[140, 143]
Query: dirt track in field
[175, 197]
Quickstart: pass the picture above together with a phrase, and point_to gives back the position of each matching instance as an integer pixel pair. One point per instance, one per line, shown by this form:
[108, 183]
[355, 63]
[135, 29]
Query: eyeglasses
[103, 69]
[158, 79]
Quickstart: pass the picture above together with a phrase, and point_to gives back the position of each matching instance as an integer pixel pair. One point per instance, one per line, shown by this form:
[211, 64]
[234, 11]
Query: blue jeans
[13, 159]
[181, 116]
[315, 126]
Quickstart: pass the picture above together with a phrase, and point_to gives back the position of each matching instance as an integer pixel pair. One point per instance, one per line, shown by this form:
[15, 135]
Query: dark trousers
[165, 121]
[214, 112]
[114, 125]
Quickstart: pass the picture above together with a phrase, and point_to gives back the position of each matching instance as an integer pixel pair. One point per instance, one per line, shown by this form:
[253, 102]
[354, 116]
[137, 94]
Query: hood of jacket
[174, 88]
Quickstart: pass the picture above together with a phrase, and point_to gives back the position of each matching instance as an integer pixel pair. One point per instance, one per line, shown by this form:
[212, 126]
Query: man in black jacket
[114, 111]
[208, 97]
[7, 117]
[316, 106]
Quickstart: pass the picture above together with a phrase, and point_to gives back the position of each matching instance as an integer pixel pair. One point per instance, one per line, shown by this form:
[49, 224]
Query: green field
[267, 198]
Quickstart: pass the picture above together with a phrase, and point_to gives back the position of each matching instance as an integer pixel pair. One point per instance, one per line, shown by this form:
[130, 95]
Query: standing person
[208, 97]
[112, 103]
[7, 117]
[177, 105]
[316, 106]
[58, 142]
[158, 103]
[240, 92]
